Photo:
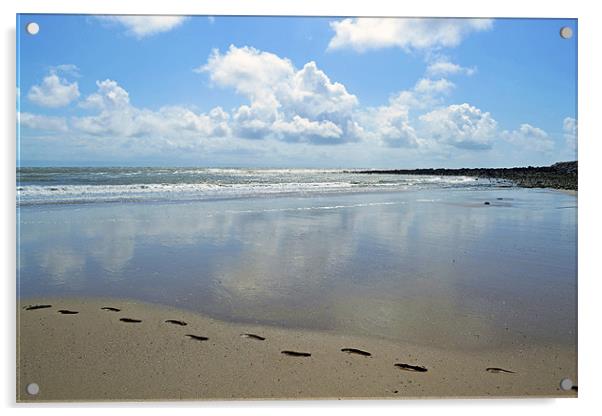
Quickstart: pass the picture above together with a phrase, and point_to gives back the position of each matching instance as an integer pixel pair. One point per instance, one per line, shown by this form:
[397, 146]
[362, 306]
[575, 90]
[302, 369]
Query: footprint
[130, 320]
[68, 312]
[253, 336]
[197, 337]
[498, 370]
[108, 308]
[296, 353]
[34, 307]
[408, 367]
[356, 351]
[176, 322]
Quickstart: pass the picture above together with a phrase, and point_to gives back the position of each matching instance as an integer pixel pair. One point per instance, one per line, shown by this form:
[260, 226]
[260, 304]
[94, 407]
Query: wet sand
[436, 267]
[91, 349]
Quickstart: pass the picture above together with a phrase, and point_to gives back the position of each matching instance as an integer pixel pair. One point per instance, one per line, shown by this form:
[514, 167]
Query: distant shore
[114, 349]
[561, 175]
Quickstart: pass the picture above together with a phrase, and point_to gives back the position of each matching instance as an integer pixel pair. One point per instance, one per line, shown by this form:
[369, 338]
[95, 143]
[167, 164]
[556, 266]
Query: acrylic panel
[245, 207]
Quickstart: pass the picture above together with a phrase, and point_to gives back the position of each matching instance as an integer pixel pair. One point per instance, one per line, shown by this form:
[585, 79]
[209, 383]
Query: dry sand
[92, 355]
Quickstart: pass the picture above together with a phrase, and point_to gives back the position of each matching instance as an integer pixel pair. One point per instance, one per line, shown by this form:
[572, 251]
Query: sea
[453, 262]
[96, 185]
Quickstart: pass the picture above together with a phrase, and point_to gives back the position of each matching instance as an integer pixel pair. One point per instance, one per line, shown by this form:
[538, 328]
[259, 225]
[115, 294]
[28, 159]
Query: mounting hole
[566, 32]
[566, 384]
[32, 28]
[33, 389]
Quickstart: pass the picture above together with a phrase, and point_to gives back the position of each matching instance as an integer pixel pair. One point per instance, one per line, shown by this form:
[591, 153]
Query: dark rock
[561, 175]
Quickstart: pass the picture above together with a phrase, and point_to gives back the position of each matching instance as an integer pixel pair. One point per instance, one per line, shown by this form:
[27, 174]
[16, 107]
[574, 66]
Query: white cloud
[362, 34]
[284, 102]
[530, 138]
[444, 67]
[569, 128]
[390, 124]
[460, 125]
[144, 26]
[173, 125]
[53, 92]
[314, 130]
[40, 122]
[253, 73]
[426, 93]
[69, 69]
[109, 95]
[427, 86]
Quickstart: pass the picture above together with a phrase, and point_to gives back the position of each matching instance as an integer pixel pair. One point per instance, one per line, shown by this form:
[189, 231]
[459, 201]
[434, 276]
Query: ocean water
[92, 185]
[419, 259]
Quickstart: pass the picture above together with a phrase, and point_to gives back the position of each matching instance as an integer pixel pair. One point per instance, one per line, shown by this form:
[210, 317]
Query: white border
[589, 208]
[507, 8]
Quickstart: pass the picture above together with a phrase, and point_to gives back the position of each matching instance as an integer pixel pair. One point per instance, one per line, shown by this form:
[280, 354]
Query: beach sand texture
[113, 349]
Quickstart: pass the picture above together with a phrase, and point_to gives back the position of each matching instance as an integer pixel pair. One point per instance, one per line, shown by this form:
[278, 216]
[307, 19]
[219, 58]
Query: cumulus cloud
[460, 125]
[109, 95]
[284, 102]
[318, 131]
[390, 124]
[426, 93]
[530, 138]
[144, 26]
[68, 69]
[175, 125]
[569, 128]
[53, 92]
[444, 67]
[40, 122]
[467, 127]
[362, 34]
[427, 86]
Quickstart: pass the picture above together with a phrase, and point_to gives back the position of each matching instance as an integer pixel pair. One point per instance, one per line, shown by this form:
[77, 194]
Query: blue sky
[299, 92]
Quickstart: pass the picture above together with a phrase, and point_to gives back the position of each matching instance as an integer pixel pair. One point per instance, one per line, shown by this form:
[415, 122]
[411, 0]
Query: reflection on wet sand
[431, 267]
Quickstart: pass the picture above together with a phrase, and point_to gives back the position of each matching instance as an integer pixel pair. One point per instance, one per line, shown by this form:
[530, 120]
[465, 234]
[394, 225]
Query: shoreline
[77, 351]
[561, 175]
[375, 191]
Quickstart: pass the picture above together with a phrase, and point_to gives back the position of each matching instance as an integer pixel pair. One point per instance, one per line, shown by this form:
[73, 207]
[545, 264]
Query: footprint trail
[176, 322]
[409, 367]
[67, 312]
[34, 307]
[197, 337]
[253, 336]
[296, 353]
[130, 320]
[356, 351]
[498, 370]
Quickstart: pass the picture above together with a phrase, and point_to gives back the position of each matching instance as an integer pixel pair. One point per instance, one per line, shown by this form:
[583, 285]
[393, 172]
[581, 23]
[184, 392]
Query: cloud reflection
[402, 267]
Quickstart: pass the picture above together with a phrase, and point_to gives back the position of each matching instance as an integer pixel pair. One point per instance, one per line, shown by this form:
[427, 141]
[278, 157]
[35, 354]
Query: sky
[295, 92]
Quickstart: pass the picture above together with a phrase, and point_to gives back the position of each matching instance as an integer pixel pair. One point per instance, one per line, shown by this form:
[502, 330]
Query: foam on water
[93, 185]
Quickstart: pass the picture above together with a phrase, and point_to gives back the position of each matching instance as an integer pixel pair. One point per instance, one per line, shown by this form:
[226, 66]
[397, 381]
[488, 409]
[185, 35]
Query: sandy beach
[420, 294]
[113, 349]
[230, 207]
